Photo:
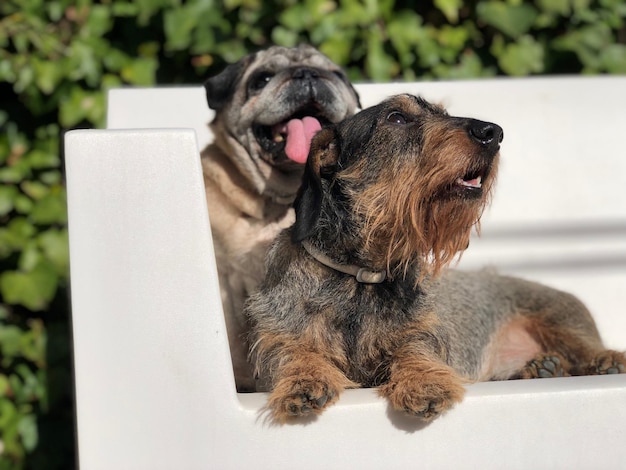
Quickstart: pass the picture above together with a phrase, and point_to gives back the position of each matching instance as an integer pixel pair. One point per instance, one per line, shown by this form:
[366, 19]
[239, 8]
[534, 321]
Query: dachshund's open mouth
[470, 185]
[471, 180]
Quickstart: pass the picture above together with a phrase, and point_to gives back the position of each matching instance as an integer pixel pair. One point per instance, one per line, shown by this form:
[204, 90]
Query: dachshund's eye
[396, 118]
[259, 80]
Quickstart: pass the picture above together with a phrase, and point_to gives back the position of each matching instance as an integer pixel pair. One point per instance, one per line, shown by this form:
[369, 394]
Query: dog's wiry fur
[398, 187]
[250, 183]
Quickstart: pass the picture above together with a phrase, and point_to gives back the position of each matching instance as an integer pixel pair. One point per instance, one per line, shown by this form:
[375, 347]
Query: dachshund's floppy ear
[320, 164]
[221, 88]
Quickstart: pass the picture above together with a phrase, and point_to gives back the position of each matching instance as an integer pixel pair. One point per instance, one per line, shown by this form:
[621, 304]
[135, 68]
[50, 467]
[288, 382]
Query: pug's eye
[340, 75]
[396, 118]
[259, 80]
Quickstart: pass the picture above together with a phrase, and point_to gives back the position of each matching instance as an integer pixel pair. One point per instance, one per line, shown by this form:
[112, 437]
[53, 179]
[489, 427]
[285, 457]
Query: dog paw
[424, 395]
[607, 362]
[545, 367]
[294, 397]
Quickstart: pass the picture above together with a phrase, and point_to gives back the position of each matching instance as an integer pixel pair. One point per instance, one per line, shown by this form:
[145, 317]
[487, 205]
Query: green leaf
[614, 58]
[23, 204]
[559, 7]
[51, 208]
[523, 57]
[55, 247]
[450, 9]
[589, 43]
[48, 75]
[338, 49]
[406, 29]
[179, 24]
[284, 36]
[453, 37]
[34, 289]
[39, 159]
[30, 256]
[15, 235]
[31, 386]
[33, 347]
[82, 105]
[98, 21]
[295, 18]
[378, 64]
[10, 343]
[35, 189]
[27, 429]
[55, 10]
[15, 173]
[4, 385]
[141, 71]
[470, 66]
[8, 416]
[513, 20]
[8, 195]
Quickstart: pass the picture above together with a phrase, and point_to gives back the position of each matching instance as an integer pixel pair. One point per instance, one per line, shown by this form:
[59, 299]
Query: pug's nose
[305, 73]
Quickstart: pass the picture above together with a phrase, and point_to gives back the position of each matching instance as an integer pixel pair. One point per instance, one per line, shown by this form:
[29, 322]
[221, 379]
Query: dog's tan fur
[398, 188]
[250, 189]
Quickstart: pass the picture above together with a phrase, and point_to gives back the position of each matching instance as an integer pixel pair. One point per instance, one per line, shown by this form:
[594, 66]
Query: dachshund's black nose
[485, 133]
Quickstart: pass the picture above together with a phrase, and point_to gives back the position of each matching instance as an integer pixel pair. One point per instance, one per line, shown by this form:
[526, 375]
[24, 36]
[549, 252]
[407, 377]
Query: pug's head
[269, 105]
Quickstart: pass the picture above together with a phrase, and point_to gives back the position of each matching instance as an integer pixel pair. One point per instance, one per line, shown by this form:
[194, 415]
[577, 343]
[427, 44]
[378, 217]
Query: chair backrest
[558, 214]
[153, 379]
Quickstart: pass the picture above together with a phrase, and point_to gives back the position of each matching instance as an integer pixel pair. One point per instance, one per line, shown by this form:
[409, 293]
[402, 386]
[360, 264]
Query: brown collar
[362, 275]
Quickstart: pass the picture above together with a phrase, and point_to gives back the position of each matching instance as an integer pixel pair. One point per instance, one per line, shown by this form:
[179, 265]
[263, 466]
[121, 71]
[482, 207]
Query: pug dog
[268, 106]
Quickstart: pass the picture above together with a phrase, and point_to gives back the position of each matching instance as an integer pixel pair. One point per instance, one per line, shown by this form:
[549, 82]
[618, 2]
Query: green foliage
[58, 58]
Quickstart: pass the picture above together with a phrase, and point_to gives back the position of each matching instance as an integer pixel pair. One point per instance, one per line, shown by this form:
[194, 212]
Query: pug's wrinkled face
[274, 101]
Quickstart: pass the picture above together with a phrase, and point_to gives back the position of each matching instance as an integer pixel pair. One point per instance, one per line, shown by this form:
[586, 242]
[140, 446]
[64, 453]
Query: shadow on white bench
[153, 377]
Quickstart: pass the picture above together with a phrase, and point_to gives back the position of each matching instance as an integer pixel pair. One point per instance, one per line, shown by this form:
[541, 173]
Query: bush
[58, 58]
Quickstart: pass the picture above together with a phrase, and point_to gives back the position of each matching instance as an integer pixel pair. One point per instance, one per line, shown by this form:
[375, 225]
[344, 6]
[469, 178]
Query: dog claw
[321, 401]
[429, 412]
[608, 362]
[424, 396]
[545, 374]
[550, 364]
[543, 368]
[301, 398]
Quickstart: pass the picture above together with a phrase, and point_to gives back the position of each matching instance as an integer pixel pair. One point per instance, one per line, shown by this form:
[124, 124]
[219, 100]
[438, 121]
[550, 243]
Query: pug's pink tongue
[300, 132]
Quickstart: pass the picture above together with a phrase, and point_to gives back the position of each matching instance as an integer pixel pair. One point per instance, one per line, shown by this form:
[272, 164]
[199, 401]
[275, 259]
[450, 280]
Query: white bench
[154, 385]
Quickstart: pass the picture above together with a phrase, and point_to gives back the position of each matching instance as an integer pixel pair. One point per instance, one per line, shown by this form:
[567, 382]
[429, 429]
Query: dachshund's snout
[485, 133]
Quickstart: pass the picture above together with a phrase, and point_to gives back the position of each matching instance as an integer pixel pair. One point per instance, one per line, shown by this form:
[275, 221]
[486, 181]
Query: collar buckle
[366, 276]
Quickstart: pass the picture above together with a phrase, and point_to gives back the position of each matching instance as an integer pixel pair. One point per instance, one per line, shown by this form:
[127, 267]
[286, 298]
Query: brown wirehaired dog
[356, 293]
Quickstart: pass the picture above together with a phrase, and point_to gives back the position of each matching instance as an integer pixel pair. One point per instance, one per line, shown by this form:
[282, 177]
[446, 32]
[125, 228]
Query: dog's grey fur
[249, 189]
[395, 189]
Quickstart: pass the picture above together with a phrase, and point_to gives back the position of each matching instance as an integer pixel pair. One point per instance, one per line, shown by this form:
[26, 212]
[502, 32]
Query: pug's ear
[221, 87]
[321, 164]
[356, 95]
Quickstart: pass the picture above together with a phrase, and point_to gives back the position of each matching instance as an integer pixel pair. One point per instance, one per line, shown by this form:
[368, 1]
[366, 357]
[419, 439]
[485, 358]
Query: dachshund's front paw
[306, 386]
[301, 396]
[424, 394]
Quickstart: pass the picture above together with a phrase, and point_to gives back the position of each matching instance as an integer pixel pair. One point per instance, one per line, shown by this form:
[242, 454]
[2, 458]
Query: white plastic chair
[154, 384]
